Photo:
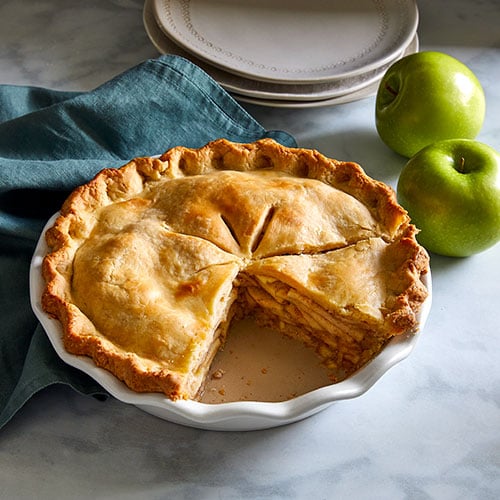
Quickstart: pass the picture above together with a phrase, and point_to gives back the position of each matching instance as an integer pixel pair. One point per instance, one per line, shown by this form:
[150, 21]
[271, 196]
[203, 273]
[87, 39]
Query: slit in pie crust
[149, 264]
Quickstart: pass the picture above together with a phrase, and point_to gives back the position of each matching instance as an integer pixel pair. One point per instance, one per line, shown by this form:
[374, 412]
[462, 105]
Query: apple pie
[150, 263]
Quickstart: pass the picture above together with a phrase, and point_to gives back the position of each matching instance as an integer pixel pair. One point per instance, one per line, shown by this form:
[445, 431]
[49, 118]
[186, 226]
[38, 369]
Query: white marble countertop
[429, 429]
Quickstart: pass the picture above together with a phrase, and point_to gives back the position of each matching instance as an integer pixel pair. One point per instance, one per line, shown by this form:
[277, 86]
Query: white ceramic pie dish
[231, 416]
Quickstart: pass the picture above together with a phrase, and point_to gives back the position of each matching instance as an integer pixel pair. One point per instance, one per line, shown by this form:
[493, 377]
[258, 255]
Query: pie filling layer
[151, 262]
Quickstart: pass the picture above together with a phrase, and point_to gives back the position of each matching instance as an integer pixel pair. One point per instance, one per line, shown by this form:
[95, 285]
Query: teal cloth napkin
[52, 141]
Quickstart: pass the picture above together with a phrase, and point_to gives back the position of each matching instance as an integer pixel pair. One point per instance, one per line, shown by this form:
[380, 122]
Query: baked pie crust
[149, 263]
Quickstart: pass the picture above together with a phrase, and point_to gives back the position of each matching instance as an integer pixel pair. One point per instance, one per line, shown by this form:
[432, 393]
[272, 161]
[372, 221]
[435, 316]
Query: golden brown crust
[166, 238]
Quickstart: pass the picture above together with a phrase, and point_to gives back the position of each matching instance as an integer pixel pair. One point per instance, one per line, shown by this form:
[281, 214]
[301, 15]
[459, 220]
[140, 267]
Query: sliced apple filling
[313, 298]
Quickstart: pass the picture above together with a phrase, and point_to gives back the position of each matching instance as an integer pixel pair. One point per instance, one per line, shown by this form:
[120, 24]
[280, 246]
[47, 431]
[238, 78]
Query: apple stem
[391, 90]
[461, 165]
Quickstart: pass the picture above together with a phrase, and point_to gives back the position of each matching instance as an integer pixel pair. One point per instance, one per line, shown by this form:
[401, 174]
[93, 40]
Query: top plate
[291, 41]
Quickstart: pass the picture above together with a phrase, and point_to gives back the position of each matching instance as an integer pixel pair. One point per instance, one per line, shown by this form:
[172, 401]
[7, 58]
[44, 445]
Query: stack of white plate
[287, 53]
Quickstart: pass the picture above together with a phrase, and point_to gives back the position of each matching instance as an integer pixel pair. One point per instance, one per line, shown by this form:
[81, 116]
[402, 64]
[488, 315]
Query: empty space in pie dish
[260, 364]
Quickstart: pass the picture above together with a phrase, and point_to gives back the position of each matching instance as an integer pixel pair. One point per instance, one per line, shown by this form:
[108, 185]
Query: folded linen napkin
[52, 141]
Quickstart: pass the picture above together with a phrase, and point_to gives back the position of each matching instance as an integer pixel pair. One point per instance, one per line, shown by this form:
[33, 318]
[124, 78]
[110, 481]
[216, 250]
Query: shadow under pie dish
[148, 265]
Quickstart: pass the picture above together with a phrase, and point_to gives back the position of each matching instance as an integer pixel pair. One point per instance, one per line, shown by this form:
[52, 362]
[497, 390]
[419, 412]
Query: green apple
[427, 97]
[451, 190]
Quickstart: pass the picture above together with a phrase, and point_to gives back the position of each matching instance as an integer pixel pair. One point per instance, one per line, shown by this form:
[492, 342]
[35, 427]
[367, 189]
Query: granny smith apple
[451, 190]
[427, 97]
